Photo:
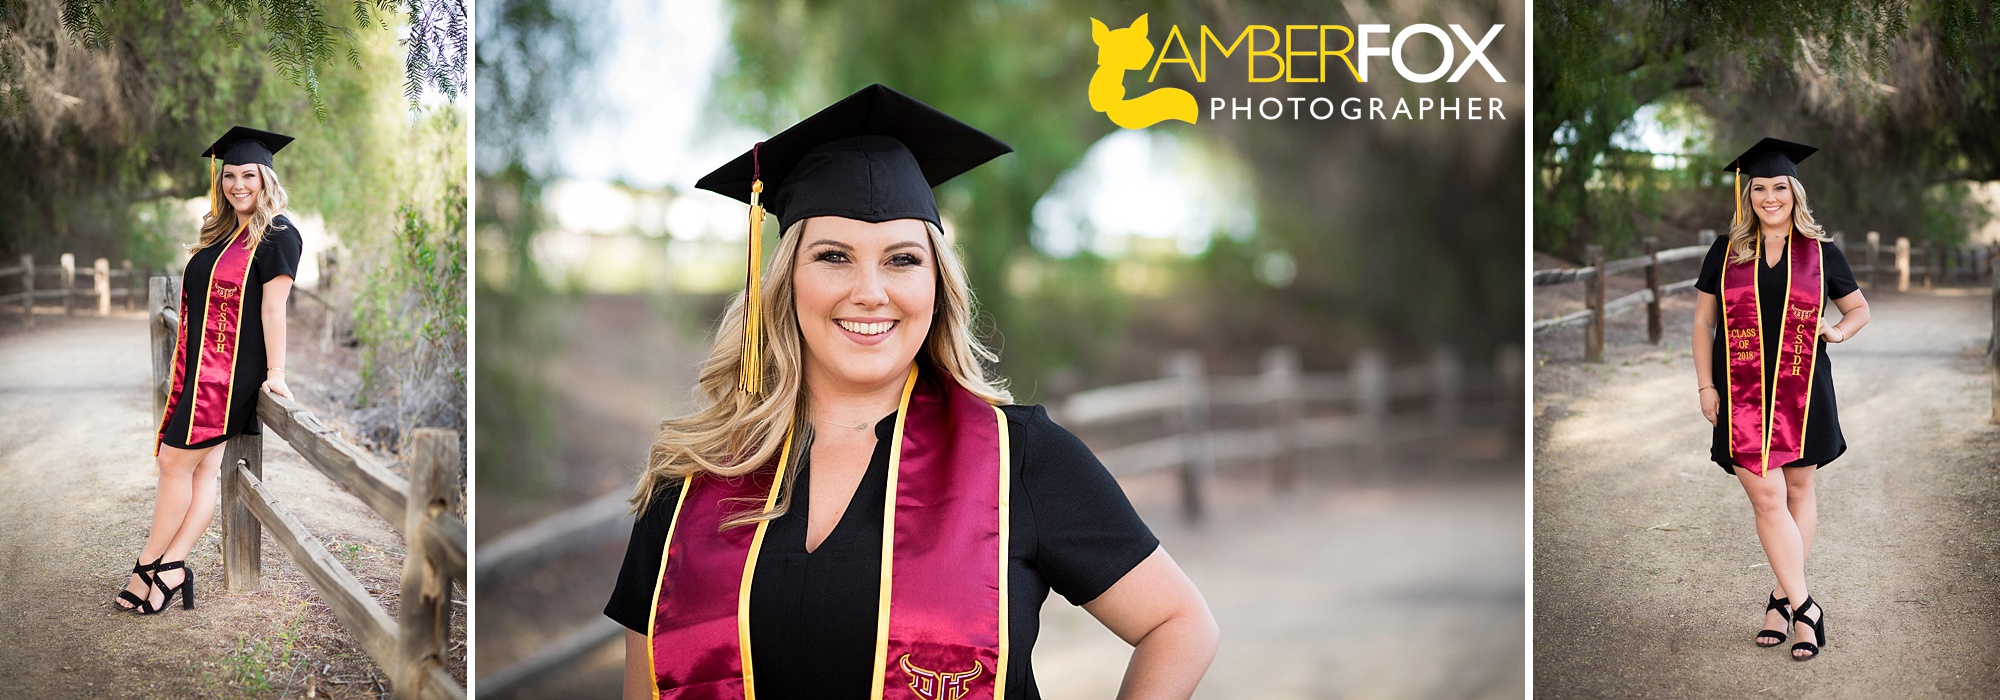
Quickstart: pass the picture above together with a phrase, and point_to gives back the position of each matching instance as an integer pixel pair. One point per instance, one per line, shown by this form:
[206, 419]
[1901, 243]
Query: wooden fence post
[100, 272]
[1902, 264]
[242, 535]
[1593, 335]
[1371, 401]
[1508, 361]
[425, 616]
[1446, 380]
[1281, 387]
[1192, 425]
[69, 283]
[1654, 331]
[28, 287]
[163, 297]
[1874, 259]
[132, 285]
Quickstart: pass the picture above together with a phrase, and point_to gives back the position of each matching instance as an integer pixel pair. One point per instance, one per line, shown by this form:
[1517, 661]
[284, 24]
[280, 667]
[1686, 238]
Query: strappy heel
[186, 588]
[1818, 627]
[145, 572]
[1771, 638]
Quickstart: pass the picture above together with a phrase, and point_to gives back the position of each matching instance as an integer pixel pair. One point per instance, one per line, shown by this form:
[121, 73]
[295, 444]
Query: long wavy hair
[1743, 233]
[735, 434]
[271, 201]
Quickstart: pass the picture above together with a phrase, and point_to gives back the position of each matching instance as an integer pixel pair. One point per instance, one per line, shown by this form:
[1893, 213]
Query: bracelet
[1704, 387]
[279, 370]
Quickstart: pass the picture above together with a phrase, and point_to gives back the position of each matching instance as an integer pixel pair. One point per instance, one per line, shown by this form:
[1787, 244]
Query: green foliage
[1898, 95]
[531, 58]
[255, 663]
[409, 312]
[301, 40]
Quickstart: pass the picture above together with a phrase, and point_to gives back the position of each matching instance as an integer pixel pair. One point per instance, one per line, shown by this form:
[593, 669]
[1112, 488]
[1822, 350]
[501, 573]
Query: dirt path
[76, 496]
[1335, 590]
[1649, 581]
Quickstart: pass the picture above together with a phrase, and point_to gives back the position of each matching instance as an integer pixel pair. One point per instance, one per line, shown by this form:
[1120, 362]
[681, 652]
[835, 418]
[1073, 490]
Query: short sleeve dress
[1824, 442]
[277, 255]
[813, 615]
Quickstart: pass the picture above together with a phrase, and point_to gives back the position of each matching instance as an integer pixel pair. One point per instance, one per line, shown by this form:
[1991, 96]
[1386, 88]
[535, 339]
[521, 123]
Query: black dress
[1824, 442]
[812, 621]
[276, 256]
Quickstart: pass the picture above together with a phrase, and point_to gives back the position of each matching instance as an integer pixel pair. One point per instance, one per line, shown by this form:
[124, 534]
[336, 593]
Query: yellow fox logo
[1120, 50]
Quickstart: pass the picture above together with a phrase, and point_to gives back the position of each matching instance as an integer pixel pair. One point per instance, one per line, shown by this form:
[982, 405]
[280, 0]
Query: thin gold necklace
[857, 428]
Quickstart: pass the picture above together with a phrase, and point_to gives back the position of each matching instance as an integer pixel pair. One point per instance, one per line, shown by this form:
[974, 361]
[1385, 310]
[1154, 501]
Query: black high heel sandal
[145, 572]
[1818, 627]
[186, 588]
[1771, 638]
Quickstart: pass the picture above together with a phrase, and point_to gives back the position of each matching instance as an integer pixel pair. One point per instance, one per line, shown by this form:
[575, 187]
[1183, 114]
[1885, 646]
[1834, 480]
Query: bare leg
[1778, 532]
[200, 512]
[1803, 503]
[171, 504]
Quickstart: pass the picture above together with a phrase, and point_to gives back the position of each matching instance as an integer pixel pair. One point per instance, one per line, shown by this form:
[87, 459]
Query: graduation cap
[242, 145]
[1769, 158]
[873, 156]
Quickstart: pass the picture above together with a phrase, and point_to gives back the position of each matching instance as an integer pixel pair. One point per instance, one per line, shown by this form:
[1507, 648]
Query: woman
[1769, 392]
[769, 559]
[233, 296]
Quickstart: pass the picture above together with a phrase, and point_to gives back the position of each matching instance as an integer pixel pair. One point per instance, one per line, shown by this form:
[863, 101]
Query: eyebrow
[844, 246]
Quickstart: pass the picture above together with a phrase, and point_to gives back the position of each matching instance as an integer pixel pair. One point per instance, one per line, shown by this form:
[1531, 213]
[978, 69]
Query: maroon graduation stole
[1765, 434]
[941, 630]
[215, 373]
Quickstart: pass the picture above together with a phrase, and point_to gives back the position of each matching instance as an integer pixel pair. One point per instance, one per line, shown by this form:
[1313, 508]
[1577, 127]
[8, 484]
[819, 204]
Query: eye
[830, 256]
[906, 260]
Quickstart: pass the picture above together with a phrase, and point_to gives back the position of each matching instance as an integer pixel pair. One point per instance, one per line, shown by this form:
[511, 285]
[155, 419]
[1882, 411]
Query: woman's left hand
[1831, 332]
[276, 385]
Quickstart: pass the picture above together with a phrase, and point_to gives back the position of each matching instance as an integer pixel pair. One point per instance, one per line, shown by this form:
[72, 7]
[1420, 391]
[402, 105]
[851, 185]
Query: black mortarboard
[246, 145]
[873, 156]
[1771, 158]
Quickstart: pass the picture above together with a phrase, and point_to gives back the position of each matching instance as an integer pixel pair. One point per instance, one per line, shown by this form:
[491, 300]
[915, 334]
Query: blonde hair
[216, 227]
[1743, 232]
[735, 433]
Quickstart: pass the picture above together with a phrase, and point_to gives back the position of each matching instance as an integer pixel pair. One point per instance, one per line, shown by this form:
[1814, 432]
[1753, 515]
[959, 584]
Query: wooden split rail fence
[411, 648]
[1280, 394]
[1946, 264]
[104, 281]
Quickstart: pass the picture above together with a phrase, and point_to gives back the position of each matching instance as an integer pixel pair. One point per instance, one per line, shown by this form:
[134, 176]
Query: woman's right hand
[1711, 402]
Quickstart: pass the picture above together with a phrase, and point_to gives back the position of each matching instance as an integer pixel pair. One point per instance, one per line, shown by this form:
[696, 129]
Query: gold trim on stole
[1006, 514]
[207, 311]
[889, 540]
[1770, 386]
[653, 613]
[1812, 354]
[750, 571]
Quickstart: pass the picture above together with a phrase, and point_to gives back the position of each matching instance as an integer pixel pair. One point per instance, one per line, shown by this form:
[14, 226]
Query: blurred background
[1296, 342]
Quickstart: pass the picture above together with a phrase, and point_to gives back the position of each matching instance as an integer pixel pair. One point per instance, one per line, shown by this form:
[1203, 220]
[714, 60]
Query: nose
[869, 290]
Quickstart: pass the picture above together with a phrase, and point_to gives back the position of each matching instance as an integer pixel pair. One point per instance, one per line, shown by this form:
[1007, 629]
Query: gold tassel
[1739, 196]
[752, 377]
[214, 198]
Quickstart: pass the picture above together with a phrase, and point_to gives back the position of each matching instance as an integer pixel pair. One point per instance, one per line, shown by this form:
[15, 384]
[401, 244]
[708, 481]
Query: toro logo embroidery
[932, 685]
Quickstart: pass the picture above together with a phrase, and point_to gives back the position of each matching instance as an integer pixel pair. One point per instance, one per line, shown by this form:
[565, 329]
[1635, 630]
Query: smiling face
[1771, 199]
[241, 184]
[865, 294]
